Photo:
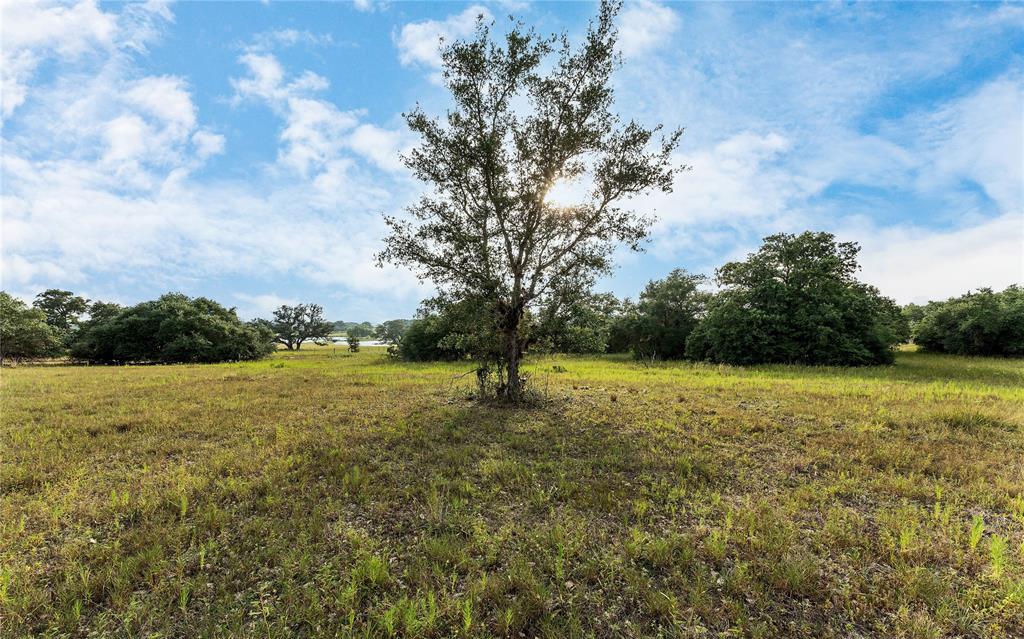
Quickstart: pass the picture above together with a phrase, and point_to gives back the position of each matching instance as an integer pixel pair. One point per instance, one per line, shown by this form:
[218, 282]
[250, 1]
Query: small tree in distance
[519, 125]
[63, 311]
[293, 325]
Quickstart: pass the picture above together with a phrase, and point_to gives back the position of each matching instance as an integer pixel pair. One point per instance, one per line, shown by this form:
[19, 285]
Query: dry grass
[323, 493]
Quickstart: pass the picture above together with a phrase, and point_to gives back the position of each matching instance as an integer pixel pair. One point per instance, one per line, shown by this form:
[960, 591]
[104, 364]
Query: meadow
[323, 493]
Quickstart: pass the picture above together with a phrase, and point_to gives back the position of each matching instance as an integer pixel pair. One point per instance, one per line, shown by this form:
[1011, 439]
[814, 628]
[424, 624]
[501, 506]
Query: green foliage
[577, 321]
[174, 328]
[796, 301]
[25, 332]
[63, 311]
[294, 325]
[451, 330]
[392, 331]
[665, 315]
[525, 112]
[980, 323]
[358, 329]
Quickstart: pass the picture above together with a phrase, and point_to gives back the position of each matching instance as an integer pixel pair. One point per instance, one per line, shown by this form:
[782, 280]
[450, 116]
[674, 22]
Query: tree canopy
[63, 311]
[666, 314]
[172, 329]
[979, 323]
[796, 301]
[294, 325]
[528, 112]
[25, 332]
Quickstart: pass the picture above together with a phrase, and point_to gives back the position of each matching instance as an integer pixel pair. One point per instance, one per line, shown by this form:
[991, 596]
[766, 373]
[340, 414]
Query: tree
[980, 323]
[576, 321]
[796, 301]
[391, 333]
[24, 331]
[353, 343]
[173, 329]
[360, 330]
[667, 312]
[103, 311]
[520, 123]
[293, 325]
[63, 311]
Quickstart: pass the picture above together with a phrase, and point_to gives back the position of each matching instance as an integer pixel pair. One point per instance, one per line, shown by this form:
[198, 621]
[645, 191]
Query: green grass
[321, 493]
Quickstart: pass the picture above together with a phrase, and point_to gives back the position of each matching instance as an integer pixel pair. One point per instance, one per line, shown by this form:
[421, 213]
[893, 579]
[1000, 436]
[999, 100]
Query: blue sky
[246, 151]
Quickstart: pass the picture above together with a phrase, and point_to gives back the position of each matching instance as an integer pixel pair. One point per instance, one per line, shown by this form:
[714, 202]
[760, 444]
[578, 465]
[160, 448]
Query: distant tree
[391, 333]
[24, 331]
[63, 311]
[520, 123]
[360, 330]
[293, 325]
[979, 323]
[353, 343]
[796, 301]
[103, 311]
[667, 312]
[172, 329]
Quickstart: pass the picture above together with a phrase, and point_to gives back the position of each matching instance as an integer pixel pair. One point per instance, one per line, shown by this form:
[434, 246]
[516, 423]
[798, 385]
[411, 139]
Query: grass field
[321, 493]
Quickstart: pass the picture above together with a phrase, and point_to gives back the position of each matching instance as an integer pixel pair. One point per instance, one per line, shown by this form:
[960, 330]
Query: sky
[248, 151]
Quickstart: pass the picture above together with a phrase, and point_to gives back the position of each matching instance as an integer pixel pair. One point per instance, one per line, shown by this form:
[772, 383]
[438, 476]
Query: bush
[24, 332]
[981, 323]
[173, 329]
[447, 330]
[796, 301]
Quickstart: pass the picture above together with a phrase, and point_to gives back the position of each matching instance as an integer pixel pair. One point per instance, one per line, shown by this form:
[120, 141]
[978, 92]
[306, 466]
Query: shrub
[173, 329]
[796, 301]
[981, 323]
[451, 330]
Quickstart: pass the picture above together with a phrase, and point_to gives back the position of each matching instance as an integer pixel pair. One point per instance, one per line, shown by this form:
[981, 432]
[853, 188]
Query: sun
[562, 193]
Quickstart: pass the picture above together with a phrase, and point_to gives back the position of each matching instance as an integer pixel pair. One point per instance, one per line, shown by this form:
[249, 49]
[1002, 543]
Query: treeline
[172, 329]
[796, 300]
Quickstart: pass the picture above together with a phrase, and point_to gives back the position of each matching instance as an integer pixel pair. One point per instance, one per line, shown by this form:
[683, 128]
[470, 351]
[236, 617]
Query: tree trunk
[513, 353]
[514, 385]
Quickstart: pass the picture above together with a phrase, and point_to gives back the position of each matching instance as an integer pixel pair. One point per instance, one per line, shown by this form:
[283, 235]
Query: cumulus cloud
[34, 31]
[915, 264]
[645, 25]
[99, 183]
[419, 42]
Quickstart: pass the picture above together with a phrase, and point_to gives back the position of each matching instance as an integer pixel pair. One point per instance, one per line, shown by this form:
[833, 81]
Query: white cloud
[315, 130]
[262, 305]
[913, 264]
[981, 138]
[382, 146]
[645, 25]
[208, 143]
[34, 31]
[99, 184]
[166, 98]
[419, 42]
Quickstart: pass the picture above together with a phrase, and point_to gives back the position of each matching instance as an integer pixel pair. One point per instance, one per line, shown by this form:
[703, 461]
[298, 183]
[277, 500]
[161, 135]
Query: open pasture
[322, 493]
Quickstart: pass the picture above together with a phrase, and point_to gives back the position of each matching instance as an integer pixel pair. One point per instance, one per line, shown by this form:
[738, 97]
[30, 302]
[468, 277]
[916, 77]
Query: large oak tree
[527, 112]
